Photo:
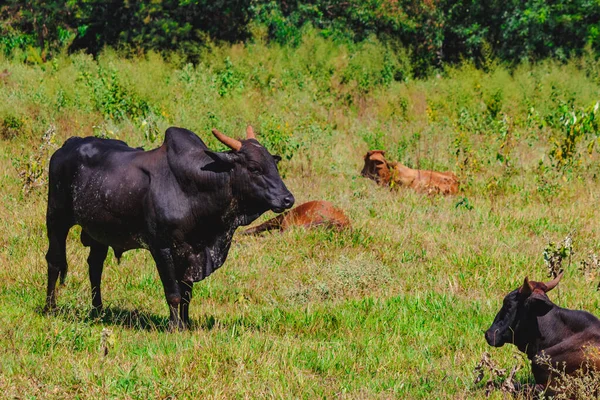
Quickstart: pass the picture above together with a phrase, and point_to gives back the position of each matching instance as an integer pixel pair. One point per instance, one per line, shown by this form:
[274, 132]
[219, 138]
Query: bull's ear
[226, 160]
[276, 158]
[538, 304]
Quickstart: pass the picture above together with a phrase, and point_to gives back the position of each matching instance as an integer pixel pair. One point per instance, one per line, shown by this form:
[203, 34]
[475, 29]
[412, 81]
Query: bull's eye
[254, 170]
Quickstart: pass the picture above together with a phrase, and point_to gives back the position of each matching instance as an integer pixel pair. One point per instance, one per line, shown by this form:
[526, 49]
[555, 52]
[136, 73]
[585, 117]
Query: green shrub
[279, 137]
[229, 79]
[576, 125]
[372, 65]
[32, 168]
[11, 126]
[113, 99]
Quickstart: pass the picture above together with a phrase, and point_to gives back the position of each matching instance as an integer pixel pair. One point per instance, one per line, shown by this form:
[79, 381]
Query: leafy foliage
[576, 125]
[111, 97]
[33, 168]
[434, 31]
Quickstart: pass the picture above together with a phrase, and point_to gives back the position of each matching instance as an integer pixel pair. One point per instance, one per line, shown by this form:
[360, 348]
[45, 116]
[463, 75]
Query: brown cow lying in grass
[313, 213]
[395, 174]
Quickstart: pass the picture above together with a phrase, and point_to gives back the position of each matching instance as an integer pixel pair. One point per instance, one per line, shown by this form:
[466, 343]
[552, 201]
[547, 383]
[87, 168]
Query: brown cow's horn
[227, 141]
[552, 284]
[526, 288]
[250, 132]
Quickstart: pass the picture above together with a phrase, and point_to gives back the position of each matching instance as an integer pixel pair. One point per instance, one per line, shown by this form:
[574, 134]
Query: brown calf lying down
[393, 173]
[313, 213]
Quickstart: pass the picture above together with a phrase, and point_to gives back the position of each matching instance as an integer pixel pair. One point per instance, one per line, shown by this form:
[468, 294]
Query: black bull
[534, 324]
[180, 201]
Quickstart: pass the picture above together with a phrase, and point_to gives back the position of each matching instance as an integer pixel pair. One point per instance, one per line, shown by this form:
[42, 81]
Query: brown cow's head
[376, 167]
[520, 309]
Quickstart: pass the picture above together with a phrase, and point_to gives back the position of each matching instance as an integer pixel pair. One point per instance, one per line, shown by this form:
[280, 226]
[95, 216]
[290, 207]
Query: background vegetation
[433, 32]
[394, 308]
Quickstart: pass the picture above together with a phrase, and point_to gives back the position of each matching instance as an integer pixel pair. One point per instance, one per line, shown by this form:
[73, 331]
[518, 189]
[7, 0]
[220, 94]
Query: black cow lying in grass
[181, 201]
[538, 327]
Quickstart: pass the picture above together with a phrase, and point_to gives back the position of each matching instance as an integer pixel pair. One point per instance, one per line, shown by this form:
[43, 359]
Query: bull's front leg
[166, 270]
[185, 289]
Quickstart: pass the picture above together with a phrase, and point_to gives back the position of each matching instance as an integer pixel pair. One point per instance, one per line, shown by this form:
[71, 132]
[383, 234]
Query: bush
[111, 97]
[10, 126]
[575, 126]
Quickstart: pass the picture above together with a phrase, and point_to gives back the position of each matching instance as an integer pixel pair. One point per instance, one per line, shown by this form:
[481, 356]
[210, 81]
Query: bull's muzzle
[286, 203]
[492, 337]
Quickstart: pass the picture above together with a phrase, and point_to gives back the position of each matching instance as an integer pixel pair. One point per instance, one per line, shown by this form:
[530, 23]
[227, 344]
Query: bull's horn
[227, 141]
[526, 288]
[250, 132]
[552, 284]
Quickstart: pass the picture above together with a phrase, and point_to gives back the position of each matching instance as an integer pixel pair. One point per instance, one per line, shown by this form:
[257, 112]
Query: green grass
[394, 308]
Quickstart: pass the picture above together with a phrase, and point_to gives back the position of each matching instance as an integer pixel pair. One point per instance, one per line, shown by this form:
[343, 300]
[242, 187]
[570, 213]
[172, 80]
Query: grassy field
[394, 308]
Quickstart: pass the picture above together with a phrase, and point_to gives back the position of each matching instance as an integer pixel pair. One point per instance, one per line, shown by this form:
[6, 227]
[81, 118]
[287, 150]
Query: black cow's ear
[224, 159]
[538, 304]
[276, 158]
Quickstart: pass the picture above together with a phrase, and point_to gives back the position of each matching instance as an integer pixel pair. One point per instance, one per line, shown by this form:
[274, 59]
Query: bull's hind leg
[185, 288]
[57, 261]
[98, 252]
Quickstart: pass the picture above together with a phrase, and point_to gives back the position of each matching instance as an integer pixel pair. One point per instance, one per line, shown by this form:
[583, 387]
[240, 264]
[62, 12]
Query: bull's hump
[180, 140]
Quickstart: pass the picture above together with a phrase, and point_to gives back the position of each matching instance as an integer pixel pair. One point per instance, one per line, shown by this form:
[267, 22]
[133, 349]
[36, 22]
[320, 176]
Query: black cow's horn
[552, 284]
[526, 288]
[250, 132]
[227, 141]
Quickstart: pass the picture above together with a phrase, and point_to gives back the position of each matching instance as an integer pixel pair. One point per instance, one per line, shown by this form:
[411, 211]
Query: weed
[590, 267]
[371, 66]
[554, 254]
[548, 186]
[374, 140]
[507, 142]
[229, 79]
[577, 125]
[493, 104]
[498, 378]
[111, 97]
[106, 341]
[583, 383]
[33, 168]
[278, 136]
[149, 127]
[464, 202]
[11, 126]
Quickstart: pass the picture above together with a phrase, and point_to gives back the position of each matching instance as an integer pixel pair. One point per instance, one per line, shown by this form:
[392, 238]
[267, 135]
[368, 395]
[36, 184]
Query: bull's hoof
[96, 312]
[176, 326]
[49, 309]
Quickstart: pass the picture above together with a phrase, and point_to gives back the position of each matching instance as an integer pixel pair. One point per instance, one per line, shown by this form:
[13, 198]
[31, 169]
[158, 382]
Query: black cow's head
[255, 176]
[520, 309]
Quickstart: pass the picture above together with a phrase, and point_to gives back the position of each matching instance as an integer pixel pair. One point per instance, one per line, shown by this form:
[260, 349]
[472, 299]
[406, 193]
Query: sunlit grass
[394, 308]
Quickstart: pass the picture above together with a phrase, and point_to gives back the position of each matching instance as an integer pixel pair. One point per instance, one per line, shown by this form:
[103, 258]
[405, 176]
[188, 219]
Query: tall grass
[394, 308]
